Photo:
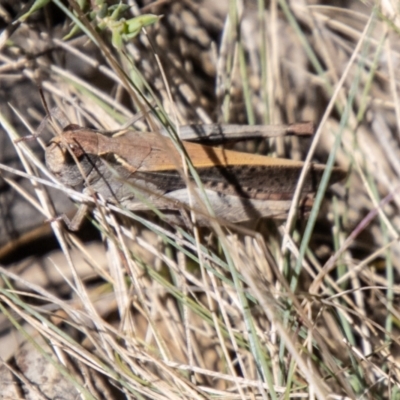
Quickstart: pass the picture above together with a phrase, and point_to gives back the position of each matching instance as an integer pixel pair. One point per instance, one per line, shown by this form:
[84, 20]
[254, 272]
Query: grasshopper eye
[76, 149]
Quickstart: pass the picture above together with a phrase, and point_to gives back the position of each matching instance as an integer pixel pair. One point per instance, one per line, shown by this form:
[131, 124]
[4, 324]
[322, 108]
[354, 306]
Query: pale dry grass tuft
[138, 309]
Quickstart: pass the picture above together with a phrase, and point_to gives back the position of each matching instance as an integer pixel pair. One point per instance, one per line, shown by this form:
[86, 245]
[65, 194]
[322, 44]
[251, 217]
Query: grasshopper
[239, 186]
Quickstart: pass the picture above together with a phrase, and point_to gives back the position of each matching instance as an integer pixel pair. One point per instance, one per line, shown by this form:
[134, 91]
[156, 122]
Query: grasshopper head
[67, 161]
